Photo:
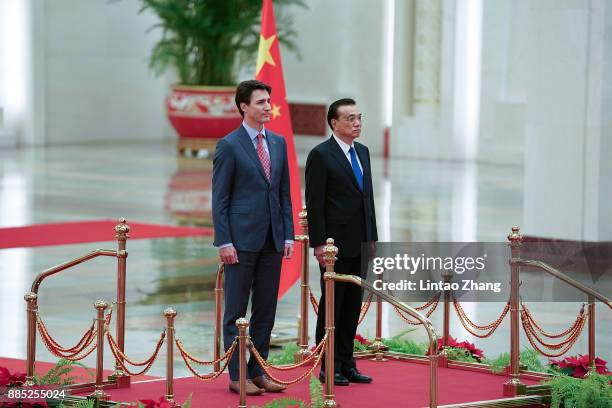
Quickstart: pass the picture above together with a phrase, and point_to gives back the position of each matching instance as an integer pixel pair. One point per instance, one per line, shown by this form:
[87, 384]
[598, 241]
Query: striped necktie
[263, 157]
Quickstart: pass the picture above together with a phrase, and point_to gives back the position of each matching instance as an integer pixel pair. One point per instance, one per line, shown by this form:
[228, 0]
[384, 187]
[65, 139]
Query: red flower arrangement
[362, 340]
[11, 380]
[578, 366]
[16, 380]
[162, 403]
[474, 351]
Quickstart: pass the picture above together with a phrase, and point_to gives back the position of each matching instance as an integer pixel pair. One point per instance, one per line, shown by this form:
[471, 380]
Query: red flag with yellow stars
[270, 70]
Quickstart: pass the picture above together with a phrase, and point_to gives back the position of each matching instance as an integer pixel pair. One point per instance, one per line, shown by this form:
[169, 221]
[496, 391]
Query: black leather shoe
[353, 375]
[339, 379]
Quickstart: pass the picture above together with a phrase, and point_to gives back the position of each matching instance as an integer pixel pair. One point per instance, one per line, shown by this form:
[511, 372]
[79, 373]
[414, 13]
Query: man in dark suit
[253, 223]
[340, 205]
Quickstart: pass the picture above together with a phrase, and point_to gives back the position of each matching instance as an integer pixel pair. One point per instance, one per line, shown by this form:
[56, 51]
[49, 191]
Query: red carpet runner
[396, 384]
[88, 231]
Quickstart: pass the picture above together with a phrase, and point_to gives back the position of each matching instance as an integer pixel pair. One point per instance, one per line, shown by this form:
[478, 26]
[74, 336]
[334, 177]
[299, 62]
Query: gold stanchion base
[98, 395]
[302, 355]
[122, 380]
[330, 403]
[173, 404]
[514, 387]
[378, 349]
[379, 356]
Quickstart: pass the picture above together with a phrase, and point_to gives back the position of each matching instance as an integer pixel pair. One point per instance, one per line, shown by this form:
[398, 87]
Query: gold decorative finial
[122, 229]
[303, 223]
[100, 304]
[242, 322]
[170, 312]
[30, 297]
[329, 252]
[515, 235]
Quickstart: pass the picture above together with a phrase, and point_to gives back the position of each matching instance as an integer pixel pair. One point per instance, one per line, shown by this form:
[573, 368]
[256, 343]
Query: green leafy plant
[285, 356]
[285, 402]
[81, 404]
[395, 343]
[316, 398]
[60, 376]
[316, 392]
[206, 41]
[530, 358]
[460, 354]
[594, 391]
[400, 345]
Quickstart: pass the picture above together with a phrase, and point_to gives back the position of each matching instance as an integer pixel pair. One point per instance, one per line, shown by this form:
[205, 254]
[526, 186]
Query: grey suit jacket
[244, 203]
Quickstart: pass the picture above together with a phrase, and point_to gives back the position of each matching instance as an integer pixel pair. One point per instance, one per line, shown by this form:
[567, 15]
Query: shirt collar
[253, 132]
[345, 148]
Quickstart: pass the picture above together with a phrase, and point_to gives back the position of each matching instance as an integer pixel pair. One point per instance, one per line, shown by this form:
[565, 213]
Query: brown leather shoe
[251, 389]
[268, 385]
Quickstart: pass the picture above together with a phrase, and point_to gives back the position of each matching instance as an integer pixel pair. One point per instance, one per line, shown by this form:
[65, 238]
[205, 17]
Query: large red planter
[202, 114]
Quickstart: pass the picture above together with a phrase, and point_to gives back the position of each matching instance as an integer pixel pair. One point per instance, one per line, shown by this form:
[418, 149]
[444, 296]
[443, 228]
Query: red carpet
[16, 365]
[396, 384]
[88, 231]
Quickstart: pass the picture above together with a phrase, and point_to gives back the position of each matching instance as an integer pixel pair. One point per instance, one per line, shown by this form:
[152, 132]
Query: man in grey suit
[253, 224]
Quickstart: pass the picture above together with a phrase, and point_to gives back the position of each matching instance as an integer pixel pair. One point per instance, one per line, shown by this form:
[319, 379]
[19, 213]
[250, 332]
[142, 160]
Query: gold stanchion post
[242, 325]
[170, 315]
[99, 393]
[32, 301]
[303, 353]
[378, 345]
[591, 332]
[218, 300]
[513, 386]
[443, 359]
[330, 252]
[433, 379]
[122, 231]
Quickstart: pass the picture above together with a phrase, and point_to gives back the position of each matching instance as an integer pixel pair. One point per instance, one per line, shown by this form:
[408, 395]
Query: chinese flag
[270, 70]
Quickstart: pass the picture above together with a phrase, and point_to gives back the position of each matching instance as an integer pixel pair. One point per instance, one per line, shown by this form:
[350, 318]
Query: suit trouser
[347, 302]
[258, 272]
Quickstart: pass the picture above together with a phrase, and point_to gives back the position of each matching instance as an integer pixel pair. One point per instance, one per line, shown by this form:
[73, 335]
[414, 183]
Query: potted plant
[206, 42]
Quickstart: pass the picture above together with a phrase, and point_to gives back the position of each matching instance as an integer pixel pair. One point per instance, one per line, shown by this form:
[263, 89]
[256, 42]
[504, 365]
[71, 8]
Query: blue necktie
[356, 169]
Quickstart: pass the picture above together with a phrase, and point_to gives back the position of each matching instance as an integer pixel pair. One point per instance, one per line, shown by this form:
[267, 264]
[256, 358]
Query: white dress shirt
[345, 148]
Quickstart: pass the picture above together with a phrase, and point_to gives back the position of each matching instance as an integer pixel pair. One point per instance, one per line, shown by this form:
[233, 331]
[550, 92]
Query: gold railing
[513, 308]
[121, 234]
[514, 386]
[330, 277]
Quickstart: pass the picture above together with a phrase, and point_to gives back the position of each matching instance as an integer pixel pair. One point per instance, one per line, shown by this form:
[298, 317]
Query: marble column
[568, 132]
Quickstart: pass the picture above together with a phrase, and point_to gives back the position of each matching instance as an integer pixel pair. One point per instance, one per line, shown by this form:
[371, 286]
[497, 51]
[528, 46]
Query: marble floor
[418, 200]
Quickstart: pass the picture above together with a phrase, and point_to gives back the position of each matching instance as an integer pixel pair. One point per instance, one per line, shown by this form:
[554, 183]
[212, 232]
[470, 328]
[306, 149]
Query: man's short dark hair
[332, 113]
[246, 88]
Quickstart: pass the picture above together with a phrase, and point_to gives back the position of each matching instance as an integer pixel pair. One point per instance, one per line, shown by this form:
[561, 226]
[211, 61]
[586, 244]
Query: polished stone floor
[418, 200]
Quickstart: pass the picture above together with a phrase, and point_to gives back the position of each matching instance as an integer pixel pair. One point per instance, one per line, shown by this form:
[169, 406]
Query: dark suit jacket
[244, 203]
[336, 207]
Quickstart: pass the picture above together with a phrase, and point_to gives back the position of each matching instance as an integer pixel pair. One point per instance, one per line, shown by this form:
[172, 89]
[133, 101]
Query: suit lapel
[342, 160]
[247, 145]
[275, 161]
